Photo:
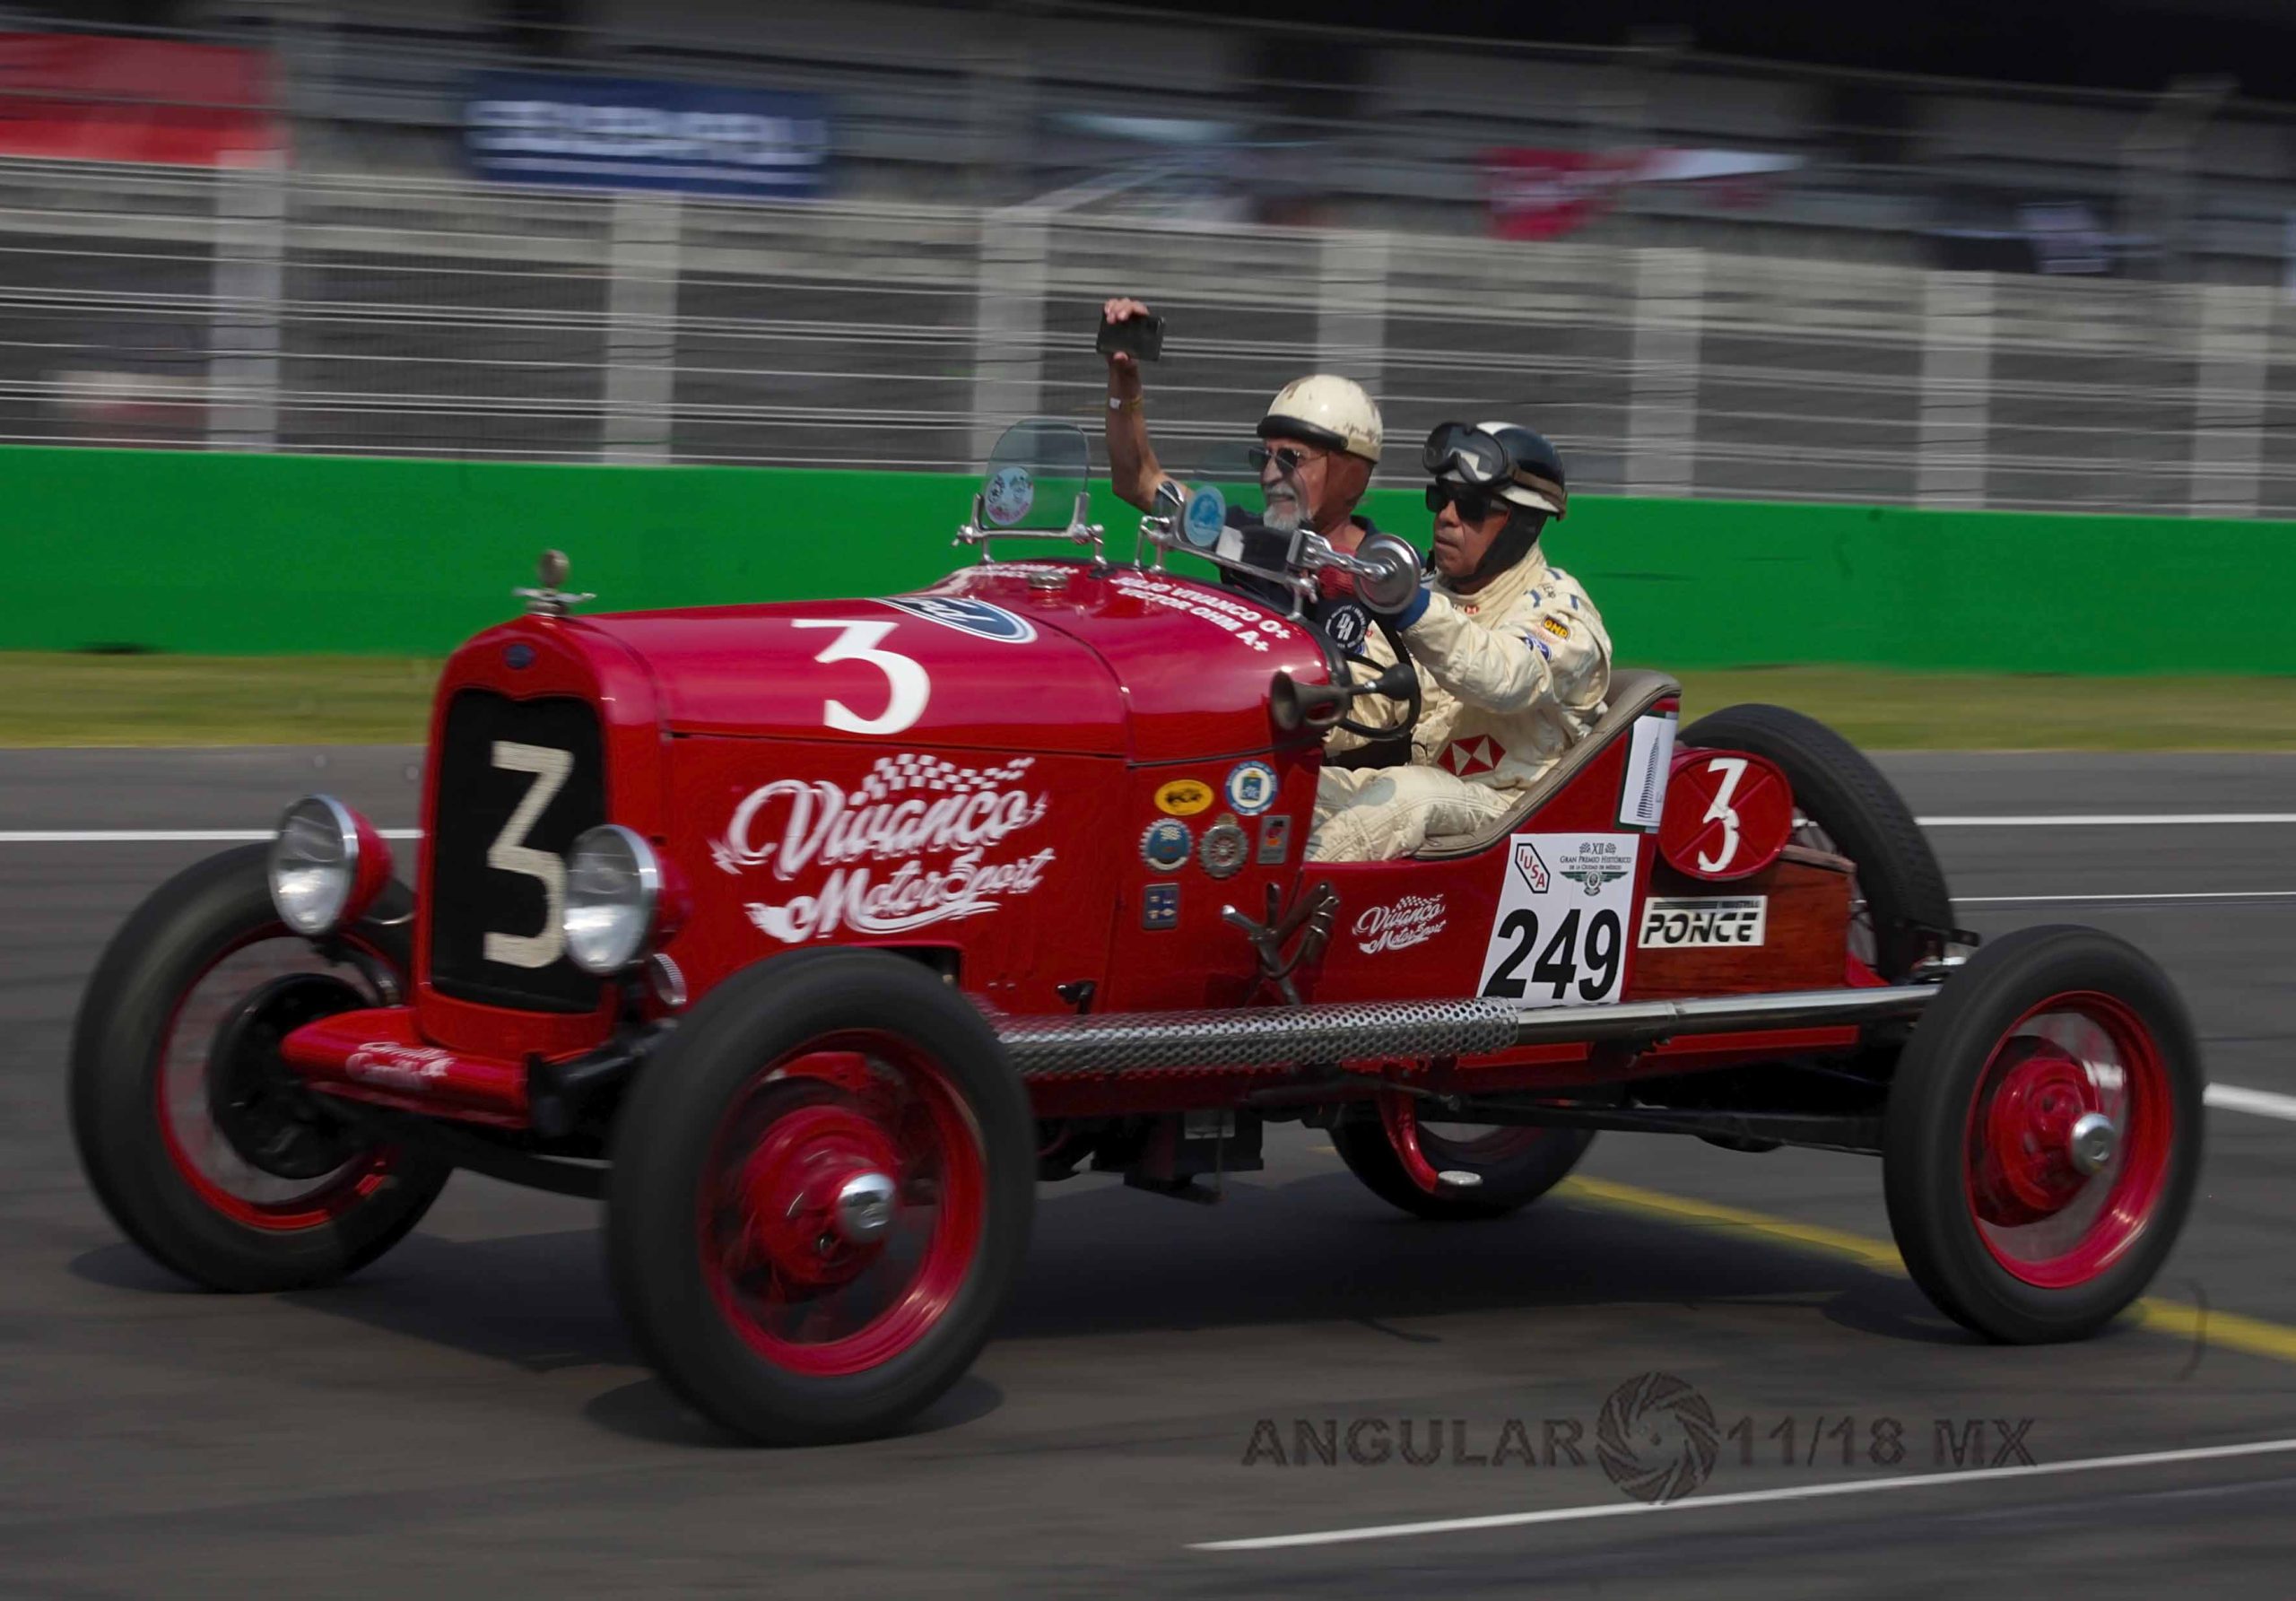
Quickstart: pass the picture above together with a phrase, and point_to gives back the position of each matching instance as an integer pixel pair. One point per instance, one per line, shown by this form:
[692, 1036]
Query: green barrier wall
[246, 554]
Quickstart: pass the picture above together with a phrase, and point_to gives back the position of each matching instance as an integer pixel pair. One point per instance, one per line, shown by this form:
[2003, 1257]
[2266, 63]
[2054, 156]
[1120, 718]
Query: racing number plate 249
[1559, 936]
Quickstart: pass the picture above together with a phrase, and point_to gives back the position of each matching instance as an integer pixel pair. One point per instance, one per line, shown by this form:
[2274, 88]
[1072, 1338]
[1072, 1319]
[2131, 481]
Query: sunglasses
[1474, 504]
[1287, 459]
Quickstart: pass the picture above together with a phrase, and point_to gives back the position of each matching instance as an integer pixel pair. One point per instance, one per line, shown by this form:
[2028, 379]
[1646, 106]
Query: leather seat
[1633, 691]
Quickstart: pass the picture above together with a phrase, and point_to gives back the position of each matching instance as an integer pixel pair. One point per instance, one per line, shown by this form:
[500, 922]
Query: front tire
[821, 1196]
[225, 1190]
[2012, 1224]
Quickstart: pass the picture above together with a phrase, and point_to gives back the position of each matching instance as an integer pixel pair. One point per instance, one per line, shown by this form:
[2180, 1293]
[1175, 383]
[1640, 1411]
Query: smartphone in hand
[1140, 337]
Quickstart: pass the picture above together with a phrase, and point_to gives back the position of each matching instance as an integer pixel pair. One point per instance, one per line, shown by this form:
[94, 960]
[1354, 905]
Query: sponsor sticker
[1008, 494]
[1184, 797]
[1558, 937]
[1555, 626]
[1251, 787]
[403, 1066]
[1413, 920]
[1702, 921]
[967, 615]
[1167, 845]
[1204, 518]
[1225, 849]
[1649, 758]
[1159, 906]
[1275, 840]
[922, 841]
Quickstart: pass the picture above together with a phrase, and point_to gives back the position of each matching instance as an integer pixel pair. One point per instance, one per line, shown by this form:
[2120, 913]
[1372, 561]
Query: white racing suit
[1512, 676]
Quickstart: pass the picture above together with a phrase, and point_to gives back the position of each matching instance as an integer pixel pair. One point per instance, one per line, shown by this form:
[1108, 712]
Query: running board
[1356, 1031]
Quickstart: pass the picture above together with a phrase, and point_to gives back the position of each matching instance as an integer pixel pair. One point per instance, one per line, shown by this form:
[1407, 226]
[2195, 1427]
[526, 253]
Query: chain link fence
[261, 310]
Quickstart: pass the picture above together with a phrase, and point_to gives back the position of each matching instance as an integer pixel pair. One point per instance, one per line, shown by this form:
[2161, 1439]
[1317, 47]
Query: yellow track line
[2253, 1336]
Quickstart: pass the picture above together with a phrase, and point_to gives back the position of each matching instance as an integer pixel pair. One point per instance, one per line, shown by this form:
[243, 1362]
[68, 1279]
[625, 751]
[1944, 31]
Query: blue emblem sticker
[1251, 787]
[1006, 497]
[1167, 845]
[1159, 906]
[974, 617]
[1202, 519]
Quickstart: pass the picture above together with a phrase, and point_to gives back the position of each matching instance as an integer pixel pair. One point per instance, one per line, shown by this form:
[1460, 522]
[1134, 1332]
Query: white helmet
[1329, 411]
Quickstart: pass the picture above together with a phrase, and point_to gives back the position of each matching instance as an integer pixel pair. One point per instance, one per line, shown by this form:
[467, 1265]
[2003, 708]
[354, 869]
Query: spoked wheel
[1455, 1172]
[1844, 806]
[2043, 1134]
[821, 1196]
[206, 1150]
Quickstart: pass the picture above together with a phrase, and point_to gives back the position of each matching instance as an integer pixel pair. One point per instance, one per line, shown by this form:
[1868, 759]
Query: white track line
[162, 836]
[2159, 895]
[1747, 1498]
[2110, 820]
[2264, 1103]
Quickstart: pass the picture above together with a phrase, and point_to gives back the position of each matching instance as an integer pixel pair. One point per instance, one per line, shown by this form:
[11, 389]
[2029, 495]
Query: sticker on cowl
[407, 1066]
[1249, 625]
[922, 841]
[1559, 936]
[1413, 920]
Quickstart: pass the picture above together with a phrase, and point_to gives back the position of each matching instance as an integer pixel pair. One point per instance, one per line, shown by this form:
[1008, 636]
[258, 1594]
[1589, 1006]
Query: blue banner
[633, 134]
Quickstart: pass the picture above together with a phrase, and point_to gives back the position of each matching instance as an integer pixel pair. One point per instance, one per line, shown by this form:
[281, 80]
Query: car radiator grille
[517, 781]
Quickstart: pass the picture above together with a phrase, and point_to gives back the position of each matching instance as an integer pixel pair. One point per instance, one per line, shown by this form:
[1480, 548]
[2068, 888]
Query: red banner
[1546, 194]
[85, 98]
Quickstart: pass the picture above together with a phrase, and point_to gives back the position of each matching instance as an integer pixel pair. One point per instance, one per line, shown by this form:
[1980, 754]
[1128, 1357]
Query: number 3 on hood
[910, 687]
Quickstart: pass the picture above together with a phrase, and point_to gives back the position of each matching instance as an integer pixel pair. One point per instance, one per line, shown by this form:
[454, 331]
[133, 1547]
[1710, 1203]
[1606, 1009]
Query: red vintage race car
[813, 936]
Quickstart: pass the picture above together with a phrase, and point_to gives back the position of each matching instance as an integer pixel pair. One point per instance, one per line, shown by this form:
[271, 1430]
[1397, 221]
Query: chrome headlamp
[326, 865]
[614, 892]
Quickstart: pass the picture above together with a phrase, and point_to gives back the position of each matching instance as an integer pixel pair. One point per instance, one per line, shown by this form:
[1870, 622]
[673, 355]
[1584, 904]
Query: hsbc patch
[1704, 920]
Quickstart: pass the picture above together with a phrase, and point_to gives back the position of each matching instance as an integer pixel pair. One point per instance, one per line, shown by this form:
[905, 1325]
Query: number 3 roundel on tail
[1728, 814]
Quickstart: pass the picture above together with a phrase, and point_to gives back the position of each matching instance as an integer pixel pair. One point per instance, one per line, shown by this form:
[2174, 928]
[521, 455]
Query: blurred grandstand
[1704, 274]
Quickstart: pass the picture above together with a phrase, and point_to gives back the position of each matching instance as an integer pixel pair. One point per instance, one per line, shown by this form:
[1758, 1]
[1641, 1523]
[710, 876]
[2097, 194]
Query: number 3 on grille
[510, 853]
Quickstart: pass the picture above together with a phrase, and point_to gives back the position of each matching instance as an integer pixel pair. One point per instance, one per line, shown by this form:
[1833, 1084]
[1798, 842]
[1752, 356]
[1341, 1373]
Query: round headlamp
[613, 889]
[325, 865]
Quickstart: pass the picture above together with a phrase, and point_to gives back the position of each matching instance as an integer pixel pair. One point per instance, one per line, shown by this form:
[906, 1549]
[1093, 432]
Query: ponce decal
[921, 841]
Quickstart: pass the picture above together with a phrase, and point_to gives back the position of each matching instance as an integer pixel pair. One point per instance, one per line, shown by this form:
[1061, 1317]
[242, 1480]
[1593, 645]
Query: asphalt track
[468, 1416]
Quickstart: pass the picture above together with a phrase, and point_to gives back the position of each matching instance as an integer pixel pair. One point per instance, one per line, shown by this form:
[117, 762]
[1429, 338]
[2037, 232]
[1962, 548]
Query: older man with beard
[1320, 441]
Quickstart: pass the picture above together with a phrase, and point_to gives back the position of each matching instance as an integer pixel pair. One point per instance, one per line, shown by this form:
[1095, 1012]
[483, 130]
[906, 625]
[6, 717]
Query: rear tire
[1843, 803]
[791, 1080]
[250, 1231]
[2000, 1230]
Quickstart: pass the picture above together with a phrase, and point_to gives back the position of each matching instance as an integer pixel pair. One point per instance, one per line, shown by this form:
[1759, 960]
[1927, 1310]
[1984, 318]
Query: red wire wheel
[2043, 1136]
[842, 1205]
[821, 1195]
[205, 1148]
[1402, 1157]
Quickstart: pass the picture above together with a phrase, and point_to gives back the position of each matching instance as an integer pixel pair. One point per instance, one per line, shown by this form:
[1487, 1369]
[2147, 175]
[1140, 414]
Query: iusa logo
[1527, 863]
[974, 617]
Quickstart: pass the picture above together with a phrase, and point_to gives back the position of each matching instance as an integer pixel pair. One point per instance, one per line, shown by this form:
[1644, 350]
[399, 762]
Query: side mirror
[1388, 573]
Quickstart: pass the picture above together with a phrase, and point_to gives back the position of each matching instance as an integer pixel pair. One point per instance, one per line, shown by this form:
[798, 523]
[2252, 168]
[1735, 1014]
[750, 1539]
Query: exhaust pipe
[1353, 1030]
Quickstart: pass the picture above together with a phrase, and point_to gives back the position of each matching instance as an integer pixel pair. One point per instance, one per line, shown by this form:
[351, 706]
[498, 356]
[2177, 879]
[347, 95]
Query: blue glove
[1415, 610]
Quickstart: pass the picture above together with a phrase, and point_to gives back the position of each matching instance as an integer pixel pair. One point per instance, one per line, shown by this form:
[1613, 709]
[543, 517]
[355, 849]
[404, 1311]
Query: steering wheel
[1354, 671]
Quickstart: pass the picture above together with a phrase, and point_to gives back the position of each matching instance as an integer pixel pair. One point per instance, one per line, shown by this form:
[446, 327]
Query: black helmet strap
[1514, 543]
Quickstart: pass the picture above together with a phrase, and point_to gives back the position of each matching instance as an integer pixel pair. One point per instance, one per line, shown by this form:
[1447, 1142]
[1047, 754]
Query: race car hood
[863, 669]
[1054, 658]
